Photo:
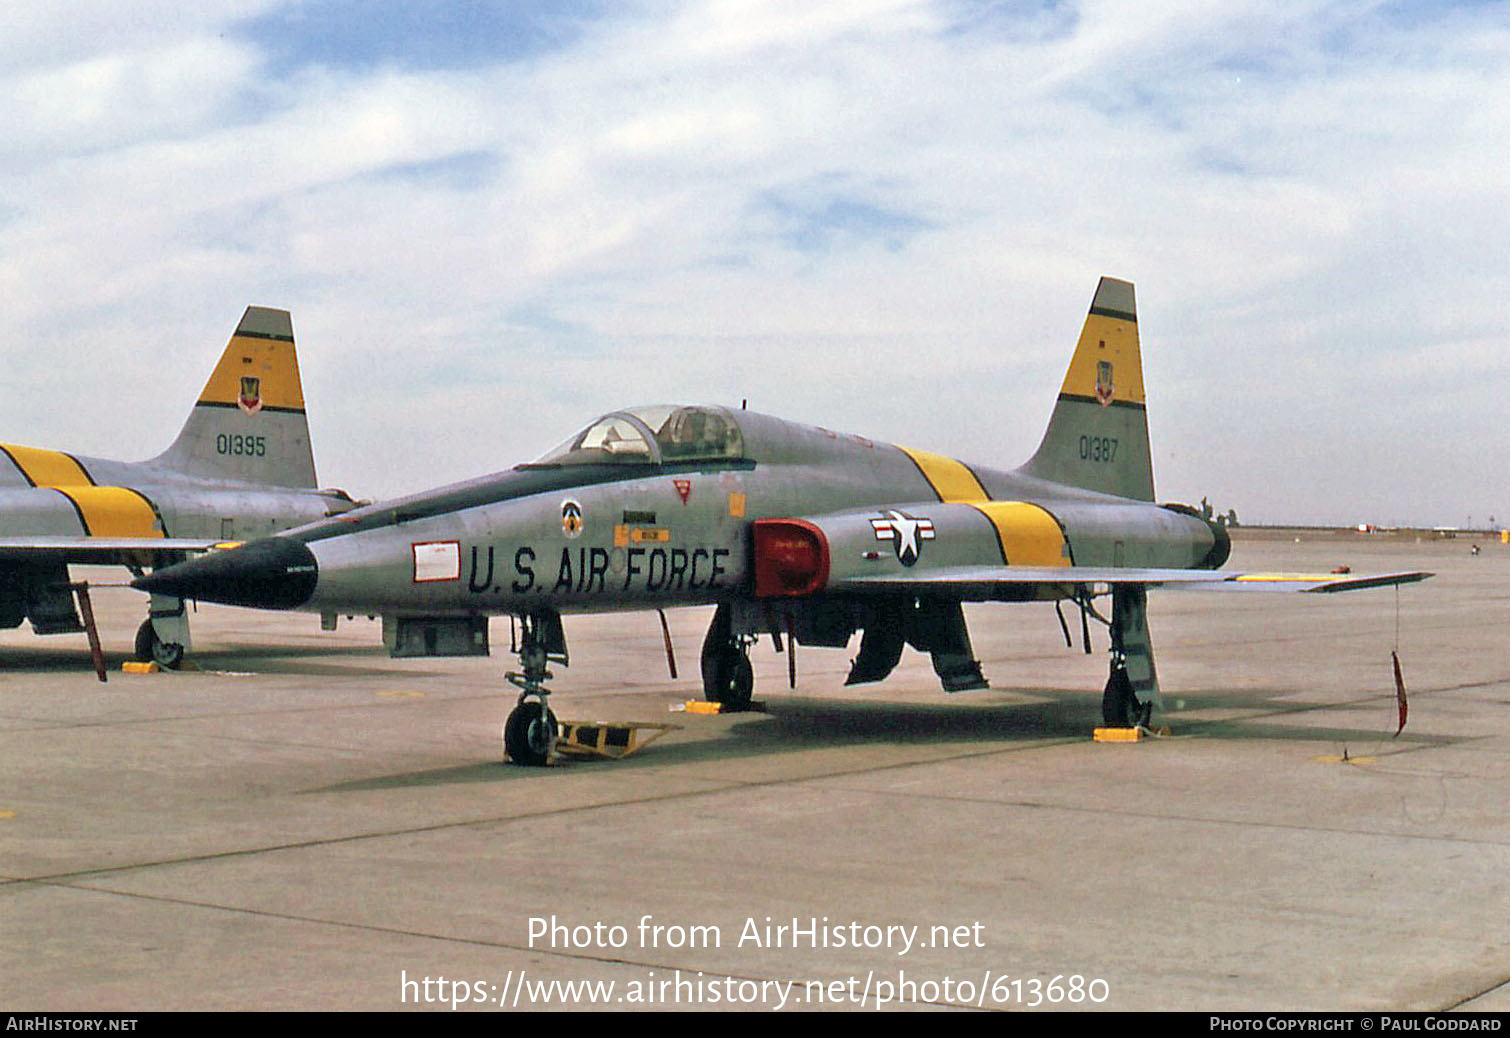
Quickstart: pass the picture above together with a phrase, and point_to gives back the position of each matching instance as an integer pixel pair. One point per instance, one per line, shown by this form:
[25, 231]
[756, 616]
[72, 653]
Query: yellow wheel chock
[611, 740]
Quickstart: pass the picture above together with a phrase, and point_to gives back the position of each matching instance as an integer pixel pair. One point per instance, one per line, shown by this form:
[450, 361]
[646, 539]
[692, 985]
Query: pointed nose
[274, 573]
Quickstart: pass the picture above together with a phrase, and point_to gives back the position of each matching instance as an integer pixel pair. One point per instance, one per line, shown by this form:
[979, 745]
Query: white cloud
[110, 100]
[1305, 194]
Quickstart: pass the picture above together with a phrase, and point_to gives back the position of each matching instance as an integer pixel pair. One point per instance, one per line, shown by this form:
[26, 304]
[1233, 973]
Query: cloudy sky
[494, 220]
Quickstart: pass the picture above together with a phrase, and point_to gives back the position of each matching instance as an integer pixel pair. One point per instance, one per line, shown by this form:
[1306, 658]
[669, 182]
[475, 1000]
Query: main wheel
[529, 734]
[1119, 703]
[730, 681]
[152, 649]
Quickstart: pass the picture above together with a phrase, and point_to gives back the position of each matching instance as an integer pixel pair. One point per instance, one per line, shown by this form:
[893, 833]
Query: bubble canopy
[660, 433]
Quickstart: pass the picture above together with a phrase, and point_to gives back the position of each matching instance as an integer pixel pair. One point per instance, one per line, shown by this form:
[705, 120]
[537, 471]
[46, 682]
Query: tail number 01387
[1098, 448]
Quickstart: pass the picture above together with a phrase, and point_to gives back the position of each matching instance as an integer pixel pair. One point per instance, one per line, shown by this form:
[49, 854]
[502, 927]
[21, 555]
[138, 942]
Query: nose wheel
[530, 731]
[529, 734]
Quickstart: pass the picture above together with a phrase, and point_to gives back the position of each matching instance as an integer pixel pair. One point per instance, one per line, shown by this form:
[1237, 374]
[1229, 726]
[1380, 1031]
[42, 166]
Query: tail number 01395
[241, 446]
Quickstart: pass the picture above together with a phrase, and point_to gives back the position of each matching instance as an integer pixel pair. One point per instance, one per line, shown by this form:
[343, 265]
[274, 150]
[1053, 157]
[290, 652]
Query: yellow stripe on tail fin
[1097, 437]
[249, 423]
[258, 368]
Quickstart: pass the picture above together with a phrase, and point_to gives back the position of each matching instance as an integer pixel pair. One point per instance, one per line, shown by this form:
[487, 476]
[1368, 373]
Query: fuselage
[615, 528]
[51, 494]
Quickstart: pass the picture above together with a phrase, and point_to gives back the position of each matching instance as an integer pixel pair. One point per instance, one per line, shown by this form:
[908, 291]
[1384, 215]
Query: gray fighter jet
[241, 468]
[803, 533]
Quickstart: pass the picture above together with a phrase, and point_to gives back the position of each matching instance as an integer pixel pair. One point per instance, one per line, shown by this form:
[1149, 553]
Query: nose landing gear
[530, 732]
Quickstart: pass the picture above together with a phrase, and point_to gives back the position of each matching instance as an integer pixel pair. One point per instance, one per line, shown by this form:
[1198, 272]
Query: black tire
[730, 681]
[529, 734]
[151, 649]
[1119, 704]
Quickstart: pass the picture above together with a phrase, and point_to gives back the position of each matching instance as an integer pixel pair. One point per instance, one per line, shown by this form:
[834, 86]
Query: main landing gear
[152, 649]
[1132, 688]
[152, 644]
[728, 677]
[529, 733]
[1120, 707]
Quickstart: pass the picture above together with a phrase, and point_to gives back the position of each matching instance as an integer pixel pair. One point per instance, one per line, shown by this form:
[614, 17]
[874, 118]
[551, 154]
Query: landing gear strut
[728, 677]
[529, 733]
[1132, 689]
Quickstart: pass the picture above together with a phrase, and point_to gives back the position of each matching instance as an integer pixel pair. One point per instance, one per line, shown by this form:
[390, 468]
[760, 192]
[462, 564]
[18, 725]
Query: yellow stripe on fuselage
[45, 468]
[105, 511]
[113, 511]
[950, 479]
[1029, 536]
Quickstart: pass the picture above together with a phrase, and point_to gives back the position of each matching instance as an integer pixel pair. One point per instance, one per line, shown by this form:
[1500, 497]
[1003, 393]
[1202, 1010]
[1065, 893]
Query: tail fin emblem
[250, 399]
[1105, 388]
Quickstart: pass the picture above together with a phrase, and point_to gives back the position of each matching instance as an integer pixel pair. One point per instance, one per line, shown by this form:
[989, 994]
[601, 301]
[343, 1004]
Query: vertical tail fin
[249, 424]
[1097, 437]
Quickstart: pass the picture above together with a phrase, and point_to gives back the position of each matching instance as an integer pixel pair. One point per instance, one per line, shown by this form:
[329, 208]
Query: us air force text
[599, 570]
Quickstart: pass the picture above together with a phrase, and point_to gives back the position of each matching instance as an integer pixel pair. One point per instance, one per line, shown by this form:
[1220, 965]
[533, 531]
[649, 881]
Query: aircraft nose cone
[274, 573]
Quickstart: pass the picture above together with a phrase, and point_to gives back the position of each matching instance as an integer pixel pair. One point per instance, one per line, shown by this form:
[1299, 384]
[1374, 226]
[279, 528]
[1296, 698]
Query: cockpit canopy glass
[651, 435]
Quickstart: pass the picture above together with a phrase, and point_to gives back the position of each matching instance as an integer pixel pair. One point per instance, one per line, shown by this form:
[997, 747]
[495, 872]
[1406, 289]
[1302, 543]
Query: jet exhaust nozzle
[1221, 547]
[1216, 555]
[273, 573]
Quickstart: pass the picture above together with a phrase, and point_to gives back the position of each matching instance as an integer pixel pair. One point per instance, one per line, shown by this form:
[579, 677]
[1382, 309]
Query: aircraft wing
[993, 581]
